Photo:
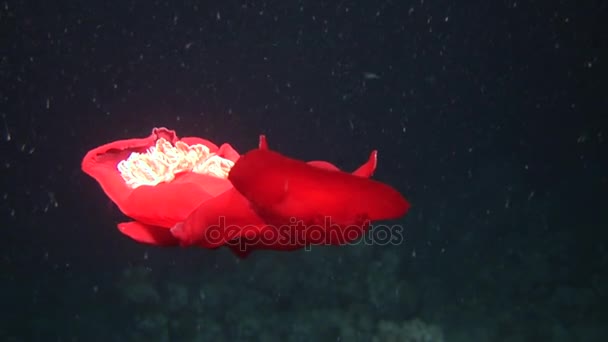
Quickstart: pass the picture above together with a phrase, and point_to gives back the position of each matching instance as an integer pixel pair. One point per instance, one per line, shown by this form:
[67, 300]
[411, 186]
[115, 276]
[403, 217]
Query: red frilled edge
[155, 209]
[268, 202]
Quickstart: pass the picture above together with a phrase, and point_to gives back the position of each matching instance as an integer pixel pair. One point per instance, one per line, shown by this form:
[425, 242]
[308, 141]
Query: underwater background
[489, 117]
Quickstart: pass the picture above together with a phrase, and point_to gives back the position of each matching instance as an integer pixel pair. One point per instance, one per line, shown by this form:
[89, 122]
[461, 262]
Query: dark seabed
[488, 116]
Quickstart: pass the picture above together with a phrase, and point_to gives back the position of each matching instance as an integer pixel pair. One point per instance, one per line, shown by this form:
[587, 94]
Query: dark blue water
[489, 117]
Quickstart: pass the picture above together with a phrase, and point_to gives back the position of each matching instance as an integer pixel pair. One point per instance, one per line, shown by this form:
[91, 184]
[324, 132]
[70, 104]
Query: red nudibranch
[190, 192]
